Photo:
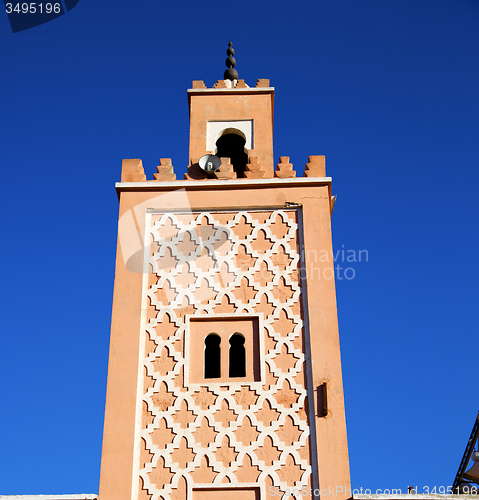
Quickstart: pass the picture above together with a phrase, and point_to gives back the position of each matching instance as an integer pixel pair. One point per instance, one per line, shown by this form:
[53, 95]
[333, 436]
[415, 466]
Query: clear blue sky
[387, 90]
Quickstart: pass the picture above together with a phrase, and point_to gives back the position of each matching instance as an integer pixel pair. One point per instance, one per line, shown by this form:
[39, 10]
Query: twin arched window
[236, 358]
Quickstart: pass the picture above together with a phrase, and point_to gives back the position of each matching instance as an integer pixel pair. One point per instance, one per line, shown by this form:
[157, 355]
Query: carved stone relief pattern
[230, 433]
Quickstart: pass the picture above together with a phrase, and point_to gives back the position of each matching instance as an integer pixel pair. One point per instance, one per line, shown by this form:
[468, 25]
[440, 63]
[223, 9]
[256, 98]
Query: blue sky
[387, 90]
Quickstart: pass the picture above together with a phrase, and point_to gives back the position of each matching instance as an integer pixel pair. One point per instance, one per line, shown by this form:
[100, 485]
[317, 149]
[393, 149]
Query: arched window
[237, 356]
[223, 349]
[231, 145]
[212, 356]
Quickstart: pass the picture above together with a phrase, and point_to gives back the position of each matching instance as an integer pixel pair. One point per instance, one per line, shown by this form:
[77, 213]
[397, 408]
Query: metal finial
[230, 73]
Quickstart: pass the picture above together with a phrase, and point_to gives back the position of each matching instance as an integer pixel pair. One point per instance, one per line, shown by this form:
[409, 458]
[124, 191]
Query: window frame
[255, 346]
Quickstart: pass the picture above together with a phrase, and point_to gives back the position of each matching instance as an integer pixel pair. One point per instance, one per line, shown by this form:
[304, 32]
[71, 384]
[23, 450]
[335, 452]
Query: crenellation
[254, 170]
[262, 82]
[316, 166]
[284, 169]
[165, 171]
[132, 170]
[240, 84]
[226, 170]
[198, 84]
[228, 84]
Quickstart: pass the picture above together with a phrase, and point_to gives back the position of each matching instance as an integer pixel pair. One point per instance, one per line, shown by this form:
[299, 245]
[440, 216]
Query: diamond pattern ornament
[234, 432]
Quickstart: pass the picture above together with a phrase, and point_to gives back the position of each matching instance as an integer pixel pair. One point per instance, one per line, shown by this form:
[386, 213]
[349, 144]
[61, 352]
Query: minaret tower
[224, 379]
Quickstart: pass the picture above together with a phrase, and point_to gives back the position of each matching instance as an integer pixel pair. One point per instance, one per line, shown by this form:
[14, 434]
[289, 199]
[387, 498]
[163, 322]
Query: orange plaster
[168, 435]
[229, 105]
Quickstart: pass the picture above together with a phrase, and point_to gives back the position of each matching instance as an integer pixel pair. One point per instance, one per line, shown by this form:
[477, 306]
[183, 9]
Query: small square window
[223, 349]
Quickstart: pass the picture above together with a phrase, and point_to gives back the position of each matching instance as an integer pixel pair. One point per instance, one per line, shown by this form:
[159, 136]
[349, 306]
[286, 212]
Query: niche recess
[225, 349]
[231, 139]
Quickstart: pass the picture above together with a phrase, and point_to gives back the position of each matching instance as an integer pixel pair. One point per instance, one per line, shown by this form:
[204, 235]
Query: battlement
[231, 84]
[133, 171]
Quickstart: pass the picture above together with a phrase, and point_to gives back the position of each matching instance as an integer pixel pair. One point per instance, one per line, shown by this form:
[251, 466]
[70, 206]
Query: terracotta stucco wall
[133, 357]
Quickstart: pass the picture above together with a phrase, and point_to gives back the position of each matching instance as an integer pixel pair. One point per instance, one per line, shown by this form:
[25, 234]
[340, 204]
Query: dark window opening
[237, 356]
[212, 356]
[232, 146]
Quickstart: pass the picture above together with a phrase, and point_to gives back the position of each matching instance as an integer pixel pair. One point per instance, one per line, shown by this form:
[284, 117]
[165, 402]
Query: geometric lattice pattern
[231, 433]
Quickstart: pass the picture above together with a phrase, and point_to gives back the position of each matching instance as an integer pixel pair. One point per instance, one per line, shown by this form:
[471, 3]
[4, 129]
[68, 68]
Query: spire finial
[230, 73]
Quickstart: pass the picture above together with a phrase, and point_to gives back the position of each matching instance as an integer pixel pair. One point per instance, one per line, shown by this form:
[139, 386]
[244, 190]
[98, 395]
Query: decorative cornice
[222, 184]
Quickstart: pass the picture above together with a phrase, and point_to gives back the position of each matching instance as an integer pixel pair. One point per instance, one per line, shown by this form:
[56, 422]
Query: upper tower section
[232, 120]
